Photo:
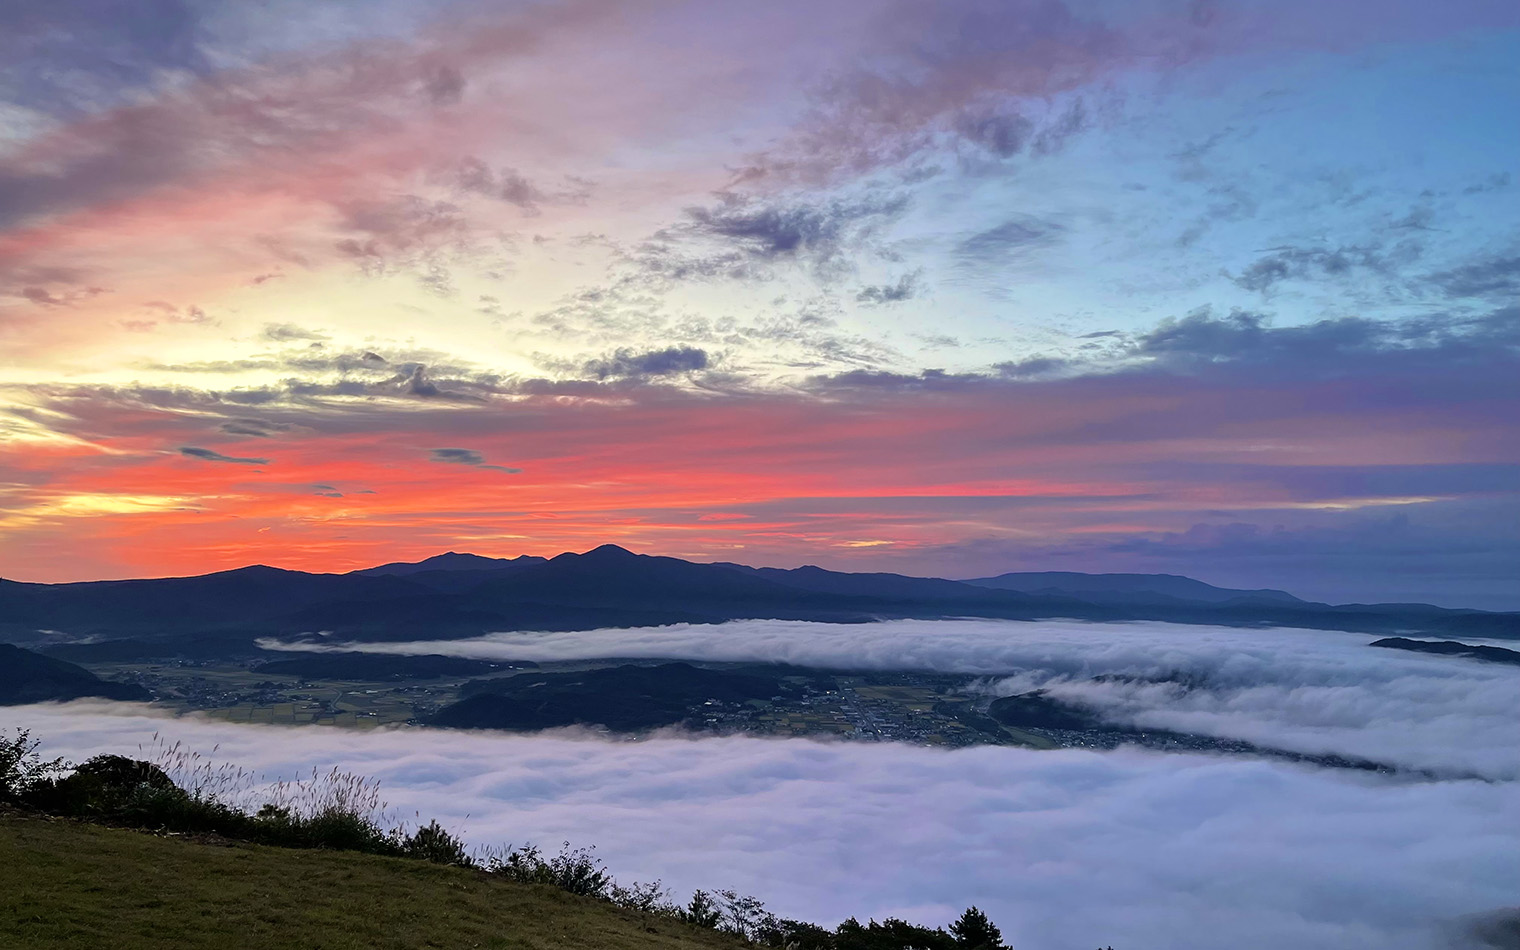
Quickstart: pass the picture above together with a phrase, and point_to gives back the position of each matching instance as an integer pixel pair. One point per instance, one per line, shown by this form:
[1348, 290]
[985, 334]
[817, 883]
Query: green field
[224, 691]
[68, 884]
[915, 698]
[1029, 740]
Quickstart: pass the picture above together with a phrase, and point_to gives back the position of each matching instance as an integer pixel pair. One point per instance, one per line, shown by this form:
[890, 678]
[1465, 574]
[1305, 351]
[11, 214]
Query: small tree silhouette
[703, 910]
[974, 931]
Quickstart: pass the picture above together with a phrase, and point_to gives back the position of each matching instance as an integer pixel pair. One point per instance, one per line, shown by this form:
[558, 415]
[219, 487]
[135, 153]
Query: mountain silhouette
[1127, 588]
[455, 595]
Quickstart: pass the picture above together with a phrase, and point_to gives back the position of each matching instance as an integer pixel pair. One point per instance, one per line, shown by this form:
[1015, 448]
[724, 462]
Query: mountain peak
[451, 561]
[458, 557]
[252, 570]
[600, 557]
[609, 551]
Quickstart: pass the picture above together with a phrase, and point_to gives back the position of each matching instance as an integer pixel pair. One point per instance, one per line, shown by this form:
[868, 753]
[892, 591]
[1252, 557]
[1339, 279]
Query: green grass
[1029, 740]
[72, 884]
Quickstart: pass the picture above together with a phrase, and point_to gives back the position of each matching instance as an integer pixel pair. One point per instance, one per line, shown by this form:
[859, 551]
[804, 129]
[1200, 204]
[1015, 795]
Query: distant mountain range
[457, 595]
[1130, 588]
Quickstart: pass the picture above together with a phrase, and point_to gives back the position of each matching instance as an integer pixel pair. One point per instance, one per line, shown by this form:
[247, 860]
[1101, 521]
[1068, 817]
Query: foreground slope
[67, 884]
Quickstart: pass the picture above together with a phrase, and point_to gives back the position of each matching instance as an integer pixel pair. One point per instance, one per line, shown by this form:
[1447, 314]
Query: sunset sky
[1227, 289]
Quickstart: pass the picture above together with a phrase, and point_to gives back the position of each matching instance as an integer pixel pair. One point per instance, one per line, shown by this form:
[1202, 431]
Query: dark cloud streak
[816, 230]
[210, 455]
[467, 457]
[1311, 263]
[1496, 276]
[627, 364]
[1008, 241]
[905, 287]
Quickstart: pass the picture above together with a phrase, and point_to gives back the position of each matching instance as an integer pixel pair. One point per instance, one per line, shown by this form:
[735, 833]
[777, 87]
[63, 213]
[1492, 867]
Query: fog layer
[1067, 850]
[1306, 690]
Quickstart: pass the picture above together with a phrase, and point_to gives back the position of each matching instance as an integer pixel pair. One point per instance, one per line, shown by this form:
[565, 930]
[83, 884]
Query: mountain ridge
[458, 594]
[1175, 586]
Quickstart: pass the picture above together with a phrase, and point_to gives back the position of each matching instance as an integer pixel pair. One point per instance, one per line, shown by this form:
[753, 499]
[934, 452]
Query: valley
[616, 697]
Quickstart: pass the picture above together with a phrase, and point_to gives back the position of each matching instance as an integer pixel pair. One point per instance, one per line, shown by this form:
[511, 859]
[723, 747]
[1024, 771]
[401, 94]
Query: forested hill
[28, 677]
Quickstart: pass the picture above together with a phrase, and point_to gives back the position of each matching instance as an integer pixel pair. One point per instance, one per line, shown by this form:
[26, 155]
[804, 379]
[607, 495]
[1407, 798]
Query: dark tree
[974, 931]
[22, 771]
[703, 910]
[890, 934]
[795, 935]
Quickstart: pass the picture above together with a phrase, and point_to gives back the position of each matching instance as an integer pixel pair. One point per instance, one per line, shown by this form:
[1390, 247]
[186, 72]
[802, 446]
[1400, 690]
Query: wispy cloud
[467, 457]
[211, 455]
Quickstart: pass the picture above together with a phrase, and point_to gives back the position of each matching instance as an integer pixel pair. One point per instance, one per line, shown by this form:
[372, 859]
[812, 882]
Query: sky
[1227, 289]
[1065, 850]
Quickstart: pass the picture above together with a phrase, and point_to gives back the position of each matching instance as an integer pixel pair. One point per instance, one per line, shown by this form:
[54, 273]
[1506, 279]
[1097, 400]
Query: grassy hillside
[71, 884]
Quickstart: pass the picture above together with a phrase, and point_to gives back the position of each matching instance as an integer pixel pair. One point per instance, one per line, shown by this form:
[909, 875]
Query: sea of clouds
[1309, 691]
[1067, 850]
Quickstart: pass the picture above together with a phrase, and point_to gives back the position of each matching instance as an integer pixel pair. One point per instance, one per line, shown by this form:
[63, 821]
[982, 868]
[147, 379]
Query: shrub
[578, 871]
[743, 916]
[795, 935]
[172, 809]
[433, 843]
[187, 792]
[118, 771]
[337, 810]
[339, 830]
[651, 898]
[524, 865]
[102, 787]
[119, 790]
[22, 769]
[702, 911]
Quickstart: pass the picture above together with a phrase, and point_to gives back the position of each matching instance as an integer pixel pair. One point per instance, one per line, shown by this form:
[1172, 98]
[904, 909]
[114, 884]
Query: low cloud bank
[1309, 691]
[1066, 850]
